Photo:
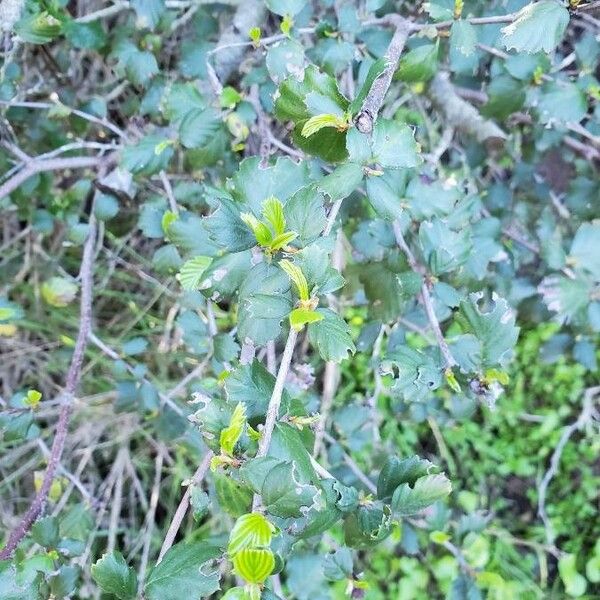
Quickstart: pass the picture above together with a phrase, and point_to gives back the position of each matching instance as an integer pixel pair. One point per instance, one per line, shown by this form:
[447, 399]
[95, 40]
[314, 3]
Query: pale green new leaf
[273, 214]
[318, 122]
[231, 434]
[297, 277]
[254, 565]
[190, 274]
[300, 317]
[252, 530]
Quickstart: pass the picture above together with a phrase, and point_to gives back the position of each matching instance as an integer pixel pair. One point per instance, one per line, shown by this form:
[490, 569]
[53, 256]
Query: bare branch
[179, 515]
[72, 381]
[53, 164]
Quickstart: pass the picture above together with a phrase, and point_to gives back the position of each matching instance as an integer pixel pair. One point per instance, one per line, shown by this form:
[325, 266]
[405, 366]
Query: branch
[425, 298]
[71, 384]
[275, 401]
[583, 418]
[53, 164]
[367, 116]
[461, 115]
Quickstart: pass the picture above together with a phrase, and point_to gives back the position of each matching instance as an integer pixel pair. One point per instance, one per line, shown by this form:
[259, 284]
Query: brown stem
[73, 376]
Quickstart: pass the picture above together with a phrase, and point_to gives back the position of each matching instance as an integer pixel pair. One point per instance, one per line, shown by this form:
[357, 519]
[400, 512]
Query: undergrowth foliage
[269, 169]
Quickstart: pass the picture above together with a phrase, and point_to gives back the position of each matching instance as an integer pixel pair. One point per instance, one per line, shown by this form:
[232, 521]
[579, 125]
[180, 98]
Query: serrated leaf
[190, 274]
[538, 26]
[305, 214]
[397, 471]
[113, 576]
[331, 336]
[408, 500]
[415, 374]
[183, 573]
[284, 495]
[283, 240]
[250, 531]
[235, 498]
[231, 434]
[495, 329]
[254, 565]
[59, 291]
[584, 250]
[463, 37]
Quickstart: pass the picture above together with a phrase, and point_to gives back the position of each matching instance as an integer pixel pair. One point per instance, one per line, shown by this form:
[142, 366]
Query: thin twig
[150, 515]
[72, 381]
[425, 299]
[53, 164]
[584, 417]
[169, 191]
[183, 506]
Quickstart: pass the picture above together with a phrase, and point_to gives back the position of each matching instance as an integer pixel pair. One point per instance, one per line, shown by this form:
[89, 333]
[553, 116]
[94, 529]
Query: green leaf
[305, 214]
[367, 526]
[394, 145]
[148, 156]
[38, 28]
[415, 374]
[397, 471]
[138, 65]
[300, 317]
[20, 584]
[45, 532]
[562, 103]
[408, 500]
[495, 329]
[254, 565]
[149, 12]
[250, 531]
[575, 583]
[113, 575]
[231, 434]
[264, 303]
[198, 127]
[444, 249]
[318, 122]
[183, 573]
[87, 36]
[297, 277]
[190, 274]
[273, 214]
[343, 181]
[463, 37]
[584, 254]
[283, 495]
[234, 497]
[321, 91]
[285, 7]
[283, 240]
[539, 26]
[420, 64]
[331, 336]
